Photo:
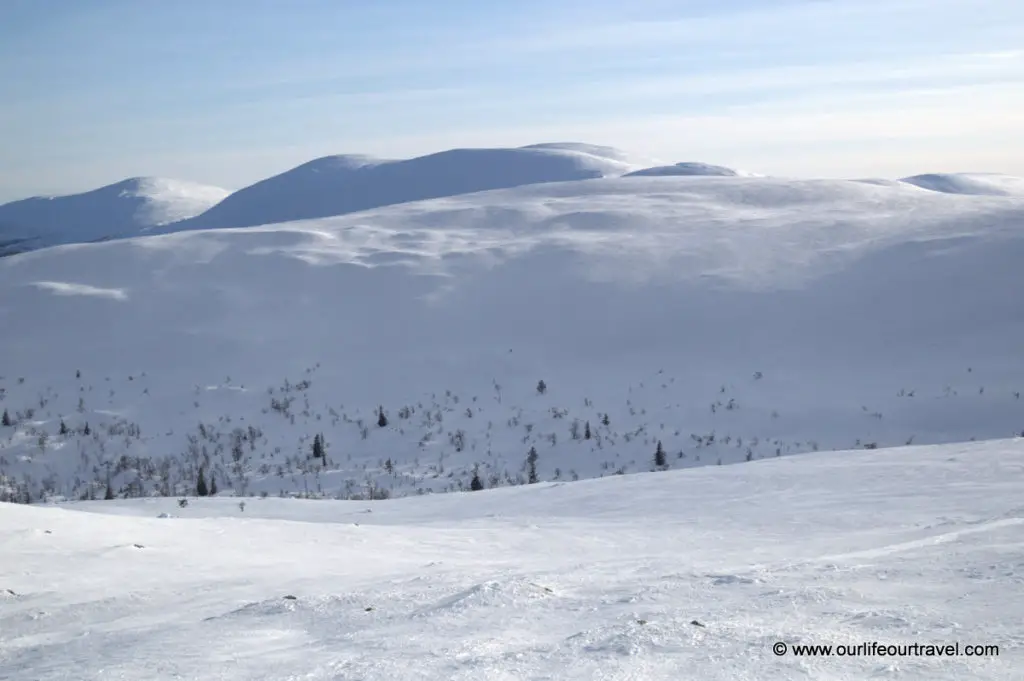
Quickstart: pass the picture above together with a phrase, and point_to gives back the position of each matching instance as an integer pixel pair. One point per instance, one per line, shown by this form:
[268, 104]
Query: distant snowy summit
[689, 169]
[128, 208]
[982, 184]
[338, 185]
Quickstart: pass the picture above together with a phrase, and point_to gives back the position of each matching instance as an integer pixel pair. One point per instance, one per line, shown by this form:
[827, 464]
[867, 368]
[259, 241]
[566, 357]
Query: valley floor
[689, 574]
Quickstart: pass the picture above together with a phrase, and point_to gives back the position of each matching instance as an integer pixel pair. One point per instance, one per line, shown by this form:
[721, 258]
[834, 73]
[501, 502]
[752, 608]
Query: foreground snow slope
[730, 319]
[596, 579]
[126, 208]
[336, 185]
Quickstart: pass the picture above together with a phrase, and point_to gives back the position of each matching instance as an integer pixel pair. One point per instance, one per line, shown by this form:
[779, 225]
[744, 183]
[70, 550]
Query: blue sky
[230, 91]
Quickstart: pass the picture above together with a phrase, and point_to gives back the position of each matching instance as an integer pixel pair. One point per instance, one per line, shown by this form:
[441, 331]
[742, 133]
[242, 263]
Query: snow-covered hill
[730, 319]
[686, 169]
[127, 208]
[716, 574]
[985, 184]
[336, 185]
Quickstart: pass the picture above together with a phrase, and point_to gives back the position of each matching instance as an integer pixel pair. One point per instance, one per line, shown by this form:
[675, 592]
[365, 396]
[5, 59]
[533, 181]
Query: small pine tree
[382, 420]
[63, 427]
[542, 387]
[318, 446]
[586, 431]
[201, 489]
[605, 421]
[388, 466]
[109, 496]
[531, 464]
[213, 485]
[476, 484]
[87, 430]
[659, 456]
[5, 420]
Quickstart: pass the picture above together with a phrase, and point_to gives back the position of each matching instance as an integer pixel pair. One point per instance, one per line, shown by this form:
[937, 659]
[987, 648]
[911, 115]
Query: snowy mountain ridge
[342, 184]
[337, 185]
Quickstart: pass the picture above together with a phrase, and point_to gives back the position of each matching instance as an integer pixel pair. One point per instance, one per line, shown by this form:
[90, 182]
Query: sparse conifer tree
[63, 427]
[605, 421]
[542, 387]
[659, 456]
[86, 430]
[382, 420]
[586, 431]
[531, 464]
[6, 420]
[201, 489]
[110, 491]
[476, 484]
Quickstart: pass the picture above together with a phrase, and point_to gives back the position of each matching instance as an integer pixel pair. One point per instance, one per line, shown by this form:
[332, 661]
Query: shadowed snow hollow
[126, 208]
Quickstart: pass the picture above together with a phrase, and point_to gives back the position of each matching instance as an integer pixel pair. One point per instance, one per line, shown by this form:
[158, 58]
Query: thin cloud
[765, 23]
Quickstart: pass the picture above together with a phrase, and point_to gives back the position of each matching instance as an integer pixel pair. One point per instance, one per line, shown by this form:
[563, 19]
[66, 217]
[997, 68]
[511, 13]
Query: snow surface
[681, 575]
[731, 319]
[126, 208]
[336, 185]
[588, 319]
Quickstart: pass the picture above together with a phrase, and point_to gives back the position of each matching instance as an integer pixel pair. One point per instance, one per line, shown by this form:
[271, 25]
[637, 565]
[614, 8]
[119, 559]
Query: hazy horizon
[230, 93]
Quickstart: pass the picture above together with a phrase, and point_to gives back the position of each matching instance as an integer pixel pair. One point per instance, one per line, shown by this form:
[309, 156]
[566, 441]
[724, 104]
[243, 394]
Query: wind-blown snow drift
[336, 185]
[733, 319]
[127, 208]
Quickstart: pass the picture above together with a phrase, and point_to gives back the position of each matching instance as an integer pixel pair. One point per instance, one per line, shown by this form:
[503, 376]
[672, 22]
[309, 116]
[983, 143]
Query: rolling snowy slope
[336, 185]
[730, 319]
[126, 208]
[684, 575]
